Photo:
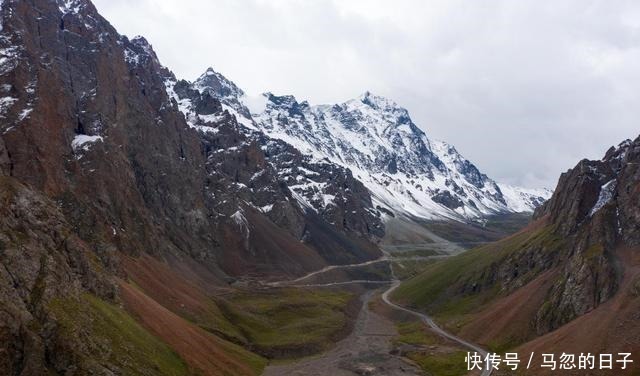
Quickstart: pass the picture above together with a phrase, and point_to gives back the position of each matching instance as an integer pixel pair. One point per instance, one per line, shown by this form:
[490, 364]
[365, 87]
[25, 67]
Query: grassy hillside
[287, 323]
[456, 289]
[429, 351]
[438, 288]
[111, 336]
[277, 323]
[204, 353]
[494, 228]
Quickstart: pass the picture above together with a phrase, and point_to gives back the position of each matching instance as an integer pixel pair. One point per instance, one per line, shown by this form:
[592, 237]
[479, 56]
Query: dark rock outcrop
[41, 259]
[447, 199]
[593, 212]
[595, 207]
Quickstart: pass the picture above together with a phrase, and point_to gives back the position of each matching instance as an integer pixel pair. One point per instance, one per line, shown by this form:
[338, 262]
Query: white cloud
[524, 89]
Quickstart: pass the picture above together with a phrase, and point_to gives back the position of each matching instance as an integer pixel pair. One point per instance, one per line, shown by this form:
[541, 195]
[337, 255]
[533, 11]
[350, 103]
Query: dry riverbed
[366, 351]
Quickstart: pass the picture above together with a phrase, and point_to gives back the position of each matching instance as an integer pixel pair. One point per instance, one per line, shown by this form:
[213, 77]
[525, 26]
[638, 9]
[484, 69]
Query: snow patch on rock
[70, 6]
[376, 139]
[5, 104]
[405, 171]
[83, 142]
[239, 218]
[606, 195]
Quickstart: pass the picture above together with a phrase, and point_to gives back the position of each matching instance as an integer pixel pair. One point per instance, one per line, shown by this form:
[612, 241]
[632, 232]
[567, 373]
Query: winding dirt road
[292, 282]
[437, 329]
[366, 351]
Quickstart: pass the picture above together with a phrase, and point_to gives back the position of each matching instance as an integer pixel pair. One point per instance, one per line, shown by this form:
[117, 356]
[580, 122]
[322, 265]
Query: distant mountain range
[406, 172]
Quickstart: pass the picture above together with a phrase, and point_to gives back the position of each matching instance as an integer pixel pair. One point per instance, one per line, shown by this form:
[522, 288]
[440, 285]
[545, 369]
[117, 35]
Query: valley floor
[375, 346]
[366, 351]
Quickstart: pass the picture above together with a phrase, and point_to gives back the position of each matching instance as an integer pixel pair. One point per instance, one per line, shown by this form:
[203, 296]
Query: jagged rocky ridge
[595, 206]
[319, 187]
[578, 236]
[406, 173]
[102, 136]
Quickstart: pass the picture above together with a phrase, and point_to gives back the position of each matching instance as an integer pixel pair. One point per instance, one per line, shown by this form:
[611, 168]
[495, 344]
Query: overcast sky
[524, 89]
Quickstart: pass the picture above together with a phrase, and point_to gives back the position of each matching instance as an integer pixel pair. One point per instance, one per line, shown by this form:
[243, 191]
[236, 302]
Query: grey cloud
[524, 89]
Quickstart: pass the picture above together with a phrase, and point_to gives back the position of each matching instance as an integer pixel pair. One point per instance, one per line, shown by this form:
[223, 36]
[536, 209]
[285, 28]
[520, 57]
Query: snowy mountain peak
[378, 102]
[406, 172]
[143, 44]
[141, 41]
[218, 84]
[138, 51]
[288, 103]
[282, 100]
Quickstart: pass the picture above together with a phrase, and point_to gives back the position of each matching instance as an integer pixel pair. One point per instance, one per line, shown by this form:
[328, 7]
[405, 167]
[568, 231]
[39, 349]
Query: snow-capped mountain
[406, 172]
[321, 187]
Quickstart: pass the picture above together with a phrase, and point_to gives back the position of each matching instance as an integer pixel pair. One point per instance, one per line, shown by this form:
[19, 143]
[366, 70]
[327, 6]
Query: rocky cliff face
[41, 259]
[595, 207]
[592, 214]
[88, 121]
[99, 163]
[320, 188]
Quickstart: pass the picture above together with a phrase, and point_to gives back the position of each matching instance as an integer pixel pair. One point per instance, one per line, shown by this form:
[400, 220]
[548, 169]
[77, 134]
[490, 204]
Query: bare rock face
[40, 260]
[290, 188]
[595, 209]
[5, 162]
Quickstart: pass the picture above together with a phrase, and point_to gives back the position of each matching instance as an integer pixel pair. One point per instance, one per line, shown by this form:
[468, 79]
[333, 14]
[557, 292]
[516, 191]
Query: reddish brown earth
[183, 294]
[510, 316]
[279, 253]
[204, 353]
[610, 328]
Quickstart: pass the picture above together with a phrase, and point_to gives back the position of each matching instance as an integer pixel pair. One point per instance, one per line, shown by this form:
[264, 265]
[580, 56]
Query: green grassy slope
[111, 336]
[462, 284]
[290, 322]
[429, 351]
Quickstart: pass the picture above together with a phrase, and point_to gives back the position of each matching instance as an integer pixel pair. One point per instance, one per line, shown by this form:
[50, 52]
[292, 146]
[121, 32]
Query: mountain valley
[151, 225]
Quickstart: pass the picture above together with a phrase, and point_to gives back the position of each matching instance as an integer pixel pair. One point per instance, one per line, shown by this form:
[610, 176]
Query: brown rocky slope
[568, 282]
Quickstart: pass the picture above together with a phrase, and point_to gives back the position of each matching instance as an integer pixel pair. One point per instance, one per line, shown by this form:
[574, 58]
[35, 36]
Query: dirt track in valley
[366, 351]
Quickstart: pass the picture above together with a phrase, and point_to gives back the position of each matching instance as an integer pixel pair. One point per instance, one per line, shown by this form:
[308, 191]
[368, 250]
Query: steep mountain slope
[405, 172]
[575, 269]
[81, 98]
[99, 165]
[321, 189]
